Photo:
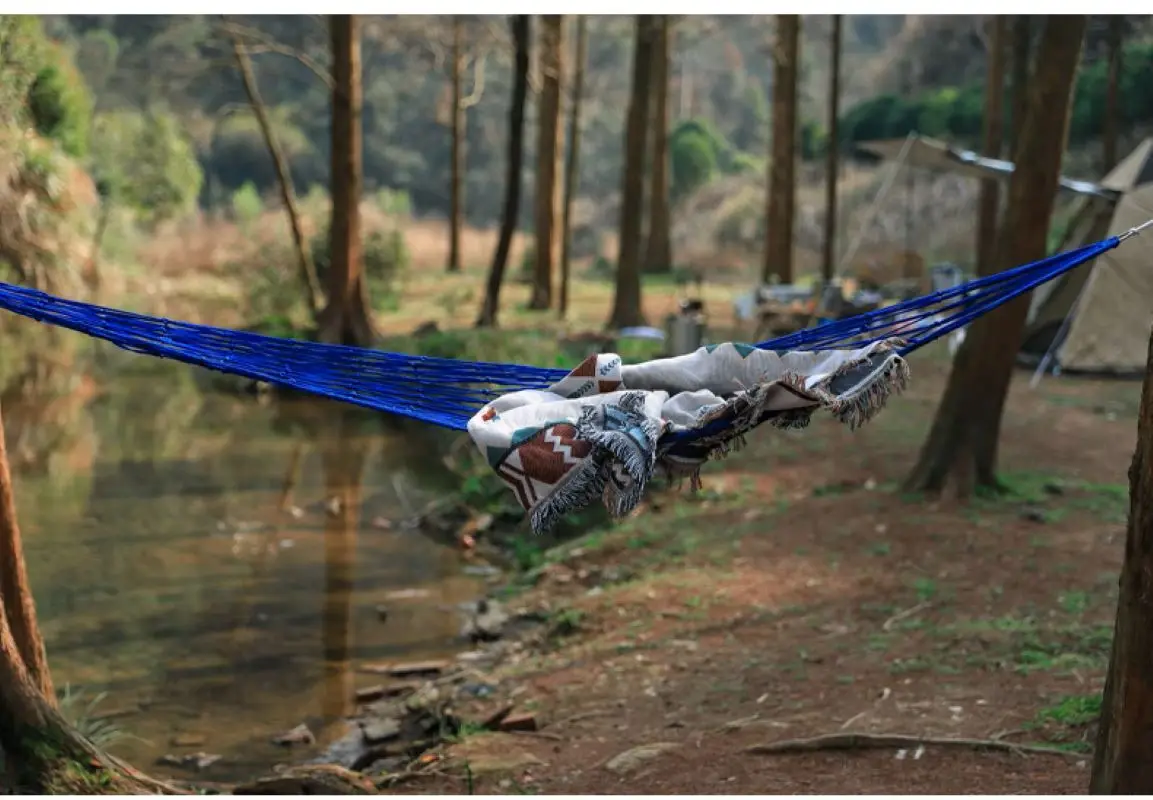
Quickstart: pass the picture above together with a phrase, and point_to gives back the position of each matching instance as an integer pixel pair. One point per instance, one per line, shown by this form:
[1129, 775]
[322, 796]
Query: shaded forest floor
[801, 594]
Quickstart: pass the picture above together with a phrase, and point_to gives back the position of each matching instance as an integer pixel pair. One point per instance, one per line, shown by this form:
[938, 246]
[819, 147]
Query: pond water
[215, 564]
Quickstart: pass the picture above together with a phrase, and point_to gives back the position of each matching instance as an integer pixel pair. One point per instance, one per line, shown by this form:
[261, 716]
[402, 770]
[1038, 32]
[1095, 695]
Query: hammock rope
[447, 392]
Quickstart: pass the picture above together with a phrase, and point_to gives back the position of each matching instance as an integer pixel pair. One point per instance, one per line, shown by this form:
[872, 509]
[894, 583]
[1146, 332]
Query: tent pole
[890, 179]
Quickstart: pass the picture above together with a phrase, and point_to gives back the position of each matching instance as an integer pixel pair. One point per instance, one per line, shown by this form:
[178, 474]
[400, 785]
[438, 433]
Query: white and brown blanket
[604, 429]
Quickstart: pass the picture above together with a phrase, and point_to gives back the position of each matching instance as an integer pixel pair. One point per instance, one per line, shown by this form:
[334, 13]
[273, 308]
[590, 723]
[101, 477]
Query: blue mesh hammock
[447, 392]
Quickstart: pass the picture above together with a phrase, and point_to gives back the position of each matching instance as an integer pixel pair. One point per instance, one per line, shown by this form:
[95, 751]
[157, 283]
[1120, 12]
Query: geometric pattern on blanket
[597, 433]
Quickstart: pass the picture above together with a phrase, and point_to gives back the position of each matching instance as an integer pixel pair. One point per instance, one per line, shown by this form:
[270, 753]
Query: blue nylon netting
[447, 392]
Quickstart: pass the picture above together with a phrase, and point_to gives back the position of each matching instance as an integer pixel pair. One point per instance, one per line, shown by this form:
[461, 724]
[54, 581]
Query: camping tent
[1097, 319]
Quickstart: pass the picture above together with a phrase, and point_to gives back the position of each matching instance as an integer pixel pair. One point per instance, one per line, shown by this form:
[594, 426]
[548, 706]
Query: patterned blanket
[606, 428]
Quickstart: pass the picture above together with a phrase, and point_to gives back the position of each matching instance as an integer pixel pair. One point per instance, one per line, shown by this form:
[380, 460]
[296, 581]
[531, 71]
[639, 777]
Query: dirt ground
[801, 594]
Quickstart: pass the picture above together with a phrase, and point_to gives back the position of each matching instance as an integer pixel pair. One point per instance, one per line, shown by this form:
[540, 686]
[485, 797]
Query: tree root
[871, 741]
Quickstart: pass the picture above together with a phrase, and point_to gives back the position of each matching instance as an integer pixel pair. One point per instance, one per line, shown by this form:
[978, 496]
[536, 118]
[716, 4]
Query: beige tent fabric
[1110, 328]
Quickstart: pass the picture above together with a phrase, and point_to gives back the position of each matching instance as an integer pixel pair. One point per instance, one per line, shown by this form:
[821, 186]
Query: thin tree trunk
[781, 201]
[627, 309]
[15, 591]
[989, 198]
[658, 252]
[456, 168]
[521, 34]
[965, 433]
[829, 253]
[309, 283]
[1123, 755]
[1022, 44]
[346, 319]
[548, 198]
[572, 161]
[1112, 122]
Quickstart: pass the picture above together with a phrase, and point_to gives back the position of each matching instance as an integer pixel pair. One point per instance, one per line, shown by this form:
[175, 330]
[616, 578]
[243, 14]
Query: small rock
[424, 697]
[382, 613]
[298, 735]
[1034, 515]
[631, 759]
[189, 740]
[518, 722]
[196, 761]
[381, 731]
[487, 624]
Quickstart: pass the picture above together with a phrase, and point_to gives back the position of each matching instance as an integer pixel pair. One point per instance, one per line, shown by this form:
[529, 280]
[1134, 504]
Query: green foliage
[384, 255]
[146, 162]
[21, 45]
[238, 153]
[59, 104]
[394, 202]
[246, 204]
[694, 160]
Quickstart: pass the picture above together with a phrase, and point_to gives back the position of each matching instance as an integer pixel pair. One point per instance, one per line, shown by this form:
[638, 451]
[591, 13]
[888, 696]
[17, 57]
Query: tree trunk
[1123, 755]
[548, 198]
[456, 167]
[15, 590]
[309, 283]
[490, 308]
[1112, 122]
[627, 309]
[829, 251]
[43, 754]
[964, 436]
[988, 200]
[572, 161]
[781, 201]
[658, 252]
[1022, 44]
[346, 320]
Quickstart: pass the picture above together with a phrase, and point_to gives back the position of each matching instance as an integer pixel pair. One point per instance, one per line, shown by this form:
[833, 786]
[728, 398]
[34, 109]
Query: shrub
[384, 255]
[246, 204]
[59, 104]
[694, 162]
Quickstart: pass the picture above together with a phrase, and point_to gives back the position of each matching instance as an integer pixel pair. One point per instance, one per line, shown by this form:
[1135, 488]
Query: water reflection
[211, 562]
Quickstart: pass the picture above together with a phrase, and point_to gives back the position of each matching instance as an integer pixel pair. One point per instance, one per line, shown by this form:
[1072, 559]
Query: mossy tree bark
[490, 307]
[988, 202]
[627, 309]
[1123, 756]
[658, 250]
[781, 199]
[572, 161]
[548, 197]
[346, 319]
[963, 440]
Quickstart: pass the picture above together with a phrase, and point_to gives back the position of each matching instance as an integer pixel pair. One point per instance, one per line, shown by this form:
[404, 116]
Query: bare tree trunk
[1123, 755]
[989, 198]
[15, 590]
[1112, 122]
[829, 253]
[627, 309]
[781, 202]
[658, 252]
[490, 308]
[346, 319]
[1022, 45]
[456, 167]
[309, 283]
[547, 250]
[572, 161]
[965, 433]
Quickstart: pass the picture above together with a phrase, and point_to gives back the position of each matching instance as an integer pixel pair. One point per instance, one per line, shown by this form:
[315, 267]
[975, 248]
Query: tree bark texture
[1022, 49]
[346, 319]
[781, 201]
[15, 591]
[1123, 755]
[964, 436]
[572, 161]
[456, 146]
[832, 149]
[1112, 123]
[988, 201]
[521, 34]
[548, 196]
[658, 249]
[306, 270]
